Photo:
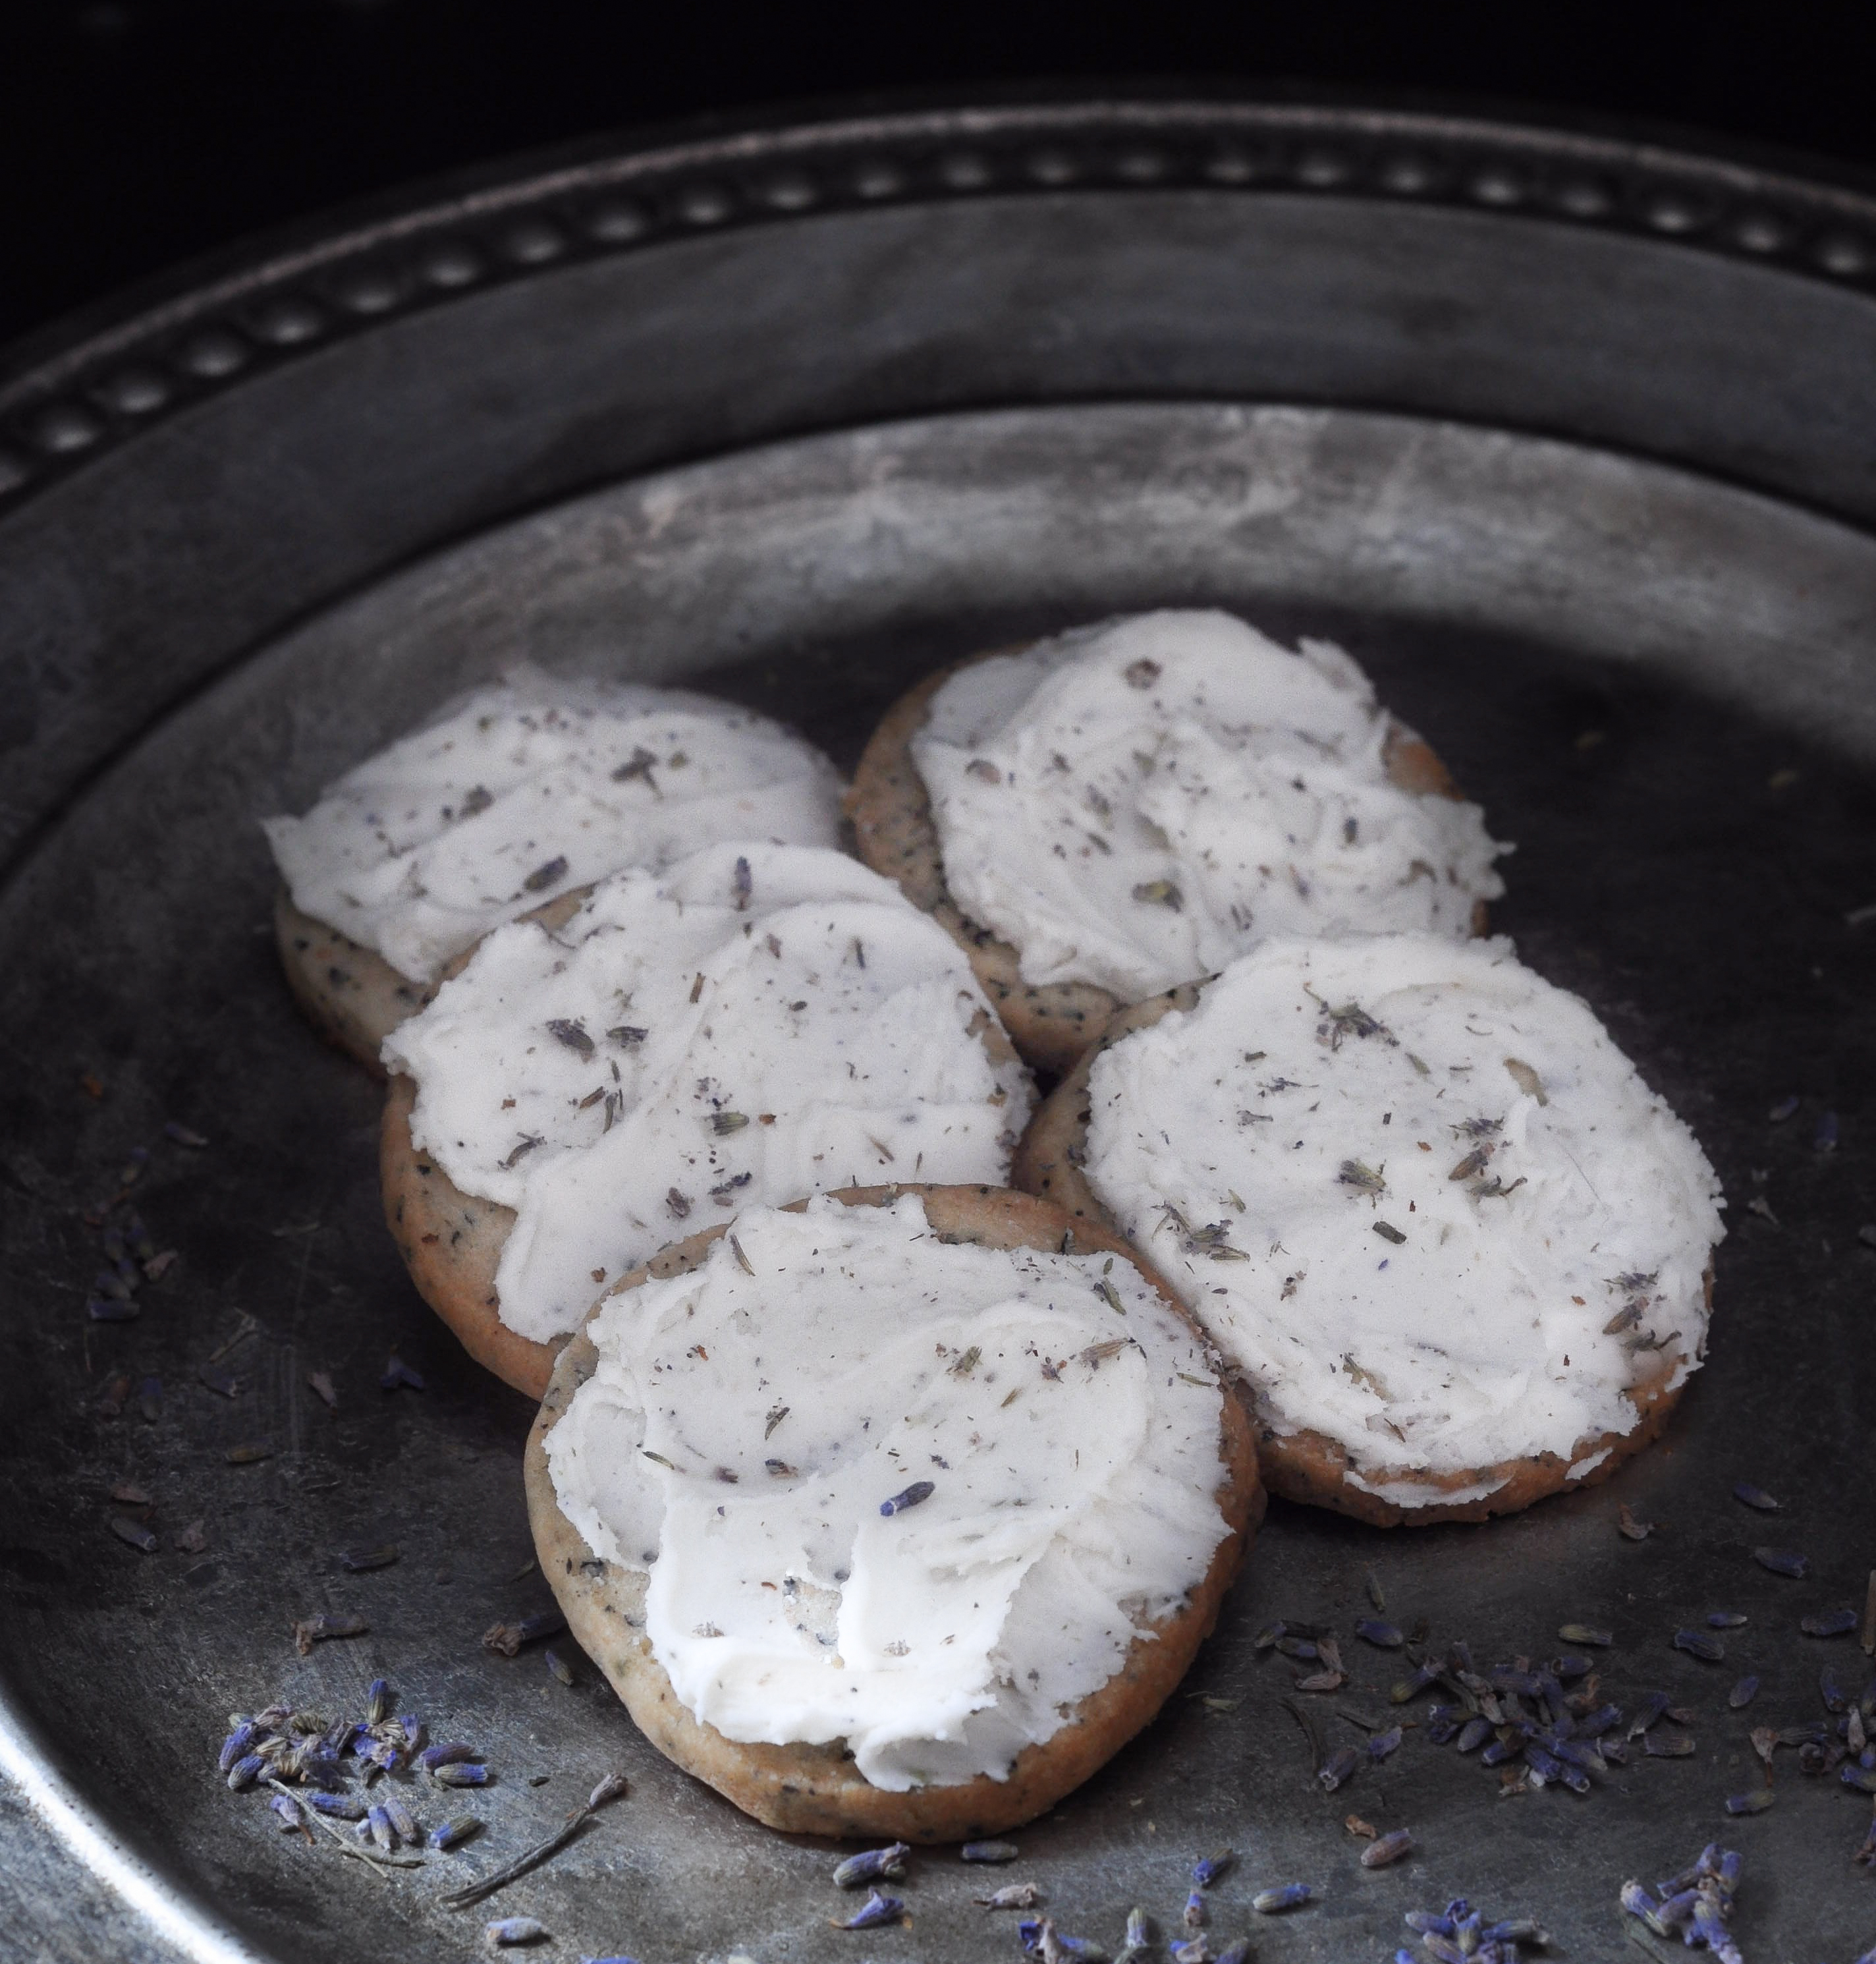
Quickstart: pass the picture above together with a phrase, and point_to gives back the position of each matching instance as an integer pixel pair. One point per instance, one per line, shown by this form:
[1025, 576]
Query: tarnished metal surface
[1660, 686]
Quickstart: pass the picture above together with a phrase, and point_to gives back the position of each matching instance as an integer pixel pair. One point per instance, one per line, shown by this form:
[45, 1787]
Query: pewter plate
[1654, 672]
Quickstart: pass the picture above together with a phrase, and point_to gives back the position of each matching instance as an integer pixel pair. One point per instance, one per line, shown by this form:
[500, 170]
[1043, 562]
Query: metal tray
[1569, 441]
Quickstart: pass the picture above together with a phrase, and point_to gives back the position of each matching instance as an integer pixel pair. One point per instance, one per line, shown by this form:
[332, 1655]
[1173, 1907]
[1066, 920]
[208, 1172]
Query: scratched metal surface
[1661, 688]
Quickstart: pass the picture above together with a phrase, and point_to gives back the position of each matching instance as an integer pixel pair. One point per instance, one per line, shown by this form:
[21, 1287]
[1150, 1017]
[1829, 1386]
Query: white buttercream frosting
[1417, 1194]
[747, 1422]
[756, 1024]
[530, 787]
[1133, 804]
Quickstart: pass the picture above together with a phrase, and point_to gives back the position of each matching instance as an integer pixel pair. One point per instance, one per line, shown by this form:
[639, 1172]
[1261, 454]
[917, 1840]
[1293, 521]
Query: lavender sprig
[610, 1789]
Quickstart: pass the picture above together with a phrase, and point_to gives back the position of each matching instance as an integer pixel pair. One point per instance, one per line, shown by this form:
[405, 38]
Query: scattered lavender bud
[1206, 1871]
[508, 1930]
[1783, 1110]
[454, 1831]
[919, 1490]
[1292, 1895]
[1384, 1636]
[1700, 1644]
[1742, 1693]
[1590, 1638]
[1782, 1562]
[1750, 1803]
[246, 1771]
[989, 1851]
[508, 1637]
[1018, 1896]
[134, 1532]
[403, 1822]
[461, 1774]
[311, 1630]
[1754, 1496]
[1727, 1620]
[1193, 1916]
[1337, 1768]
[111, 1309]
[1238, 1953]
[558, 1666]
[1473, 1735]
[237, 1744]
[1388, 1848]
[397, 1375]
[1669, 1746]
[1381, 1743]
[1832, 1623]
[876, 1910]
[361, 1561]
[183, 1135]
[341, 1806]
[453, 1753]
[871, 1864]
[614, 1787]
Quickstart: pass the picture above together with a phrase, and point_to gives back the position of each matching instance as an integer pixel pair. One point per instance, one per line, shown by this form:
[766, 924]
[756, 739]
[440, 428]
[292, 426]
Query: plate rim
[81, 389]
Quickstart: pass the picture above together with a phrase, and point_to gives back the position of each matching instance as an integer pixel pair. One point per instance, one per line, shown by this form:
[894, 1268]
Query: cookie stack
[893, 1499]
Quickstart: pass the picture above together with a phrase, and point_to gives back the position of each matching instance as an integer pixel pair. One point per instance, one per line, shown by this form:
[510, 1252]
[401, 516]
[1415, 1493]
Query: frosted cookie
[890, 1517]
[1459, 1251]
[756, 1024]
[515, 793]
[1128, 807]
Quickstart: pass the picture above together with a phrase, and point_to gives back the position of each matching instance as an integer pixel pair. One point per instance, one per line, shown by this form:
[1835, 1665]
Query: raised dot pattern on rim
[66, 430]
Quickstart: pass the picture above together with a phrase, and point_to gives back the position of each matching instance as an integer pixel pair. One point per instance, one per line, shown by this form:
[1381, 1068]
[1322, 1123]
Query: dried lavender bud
[876, 1910]
[509, 1929]
[360, 1561]
[1832, 1623]
[461, 1773]
[919, 1490]
[454, 1831]
[989, 1851]
[1206, 1871]
[1388, 1848]
[613, 1787]
[1754, 1496]
[508, 1637]
[311, 1630]
[1337, 1768]
[1782, 1562]
[1386, 1636]
[1590, 1639]
[1292, 1895]
[870, 1866]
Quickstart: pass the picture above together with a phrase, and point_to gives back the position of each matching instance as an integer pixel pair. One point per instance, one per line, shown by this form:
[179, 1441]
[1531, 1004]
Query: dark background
[134, 133]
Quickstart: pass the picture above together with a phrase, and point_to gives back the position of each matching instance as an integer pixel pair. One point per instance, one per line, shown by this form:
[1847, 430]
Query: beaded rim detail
[74, 405]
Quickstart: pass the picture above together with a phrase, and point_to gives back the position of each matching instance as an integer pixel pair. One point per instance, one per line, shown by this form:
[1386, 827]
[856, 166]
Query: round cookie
[817, 1788]
[1307, 1463]
[896, 832]
[518, 793]
[752, 1025]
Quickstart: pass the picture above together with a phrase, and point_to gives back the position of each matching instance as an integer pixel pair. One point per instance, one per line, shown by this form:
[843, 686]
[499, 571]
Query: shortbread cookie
[515, 793]
[894, 1516]
[1128, 807]
[758, 1023]
[1458, 1251]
